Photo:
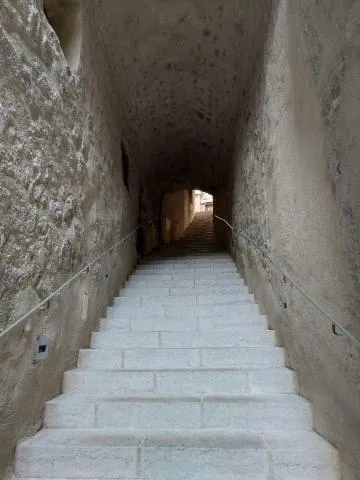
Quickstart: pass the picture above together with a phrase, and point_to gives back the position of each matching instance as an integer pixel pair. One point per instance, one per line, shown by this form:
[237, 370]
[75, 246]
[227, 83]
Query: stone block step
[173, 291]
[160, 333]
[181, 358]
[180, 382]
[189, 260]
[174, 455]
[192, 299]
[201, 274]
[247, 336]
[254, 413]
[183, 283]
[183, 324]
[188, 269]
[181, 309]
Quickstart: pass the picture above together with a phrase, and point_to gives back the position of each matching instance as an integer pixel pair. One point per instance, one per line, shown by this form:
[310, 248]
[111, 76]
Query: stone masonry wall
[296, 194]
[62, 202]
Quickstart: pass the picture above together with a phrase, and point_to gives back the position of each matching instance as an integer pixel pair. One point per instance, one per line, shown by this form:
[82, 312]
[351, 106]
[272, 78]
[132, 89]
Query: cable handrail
[328, 316]
[74, 277]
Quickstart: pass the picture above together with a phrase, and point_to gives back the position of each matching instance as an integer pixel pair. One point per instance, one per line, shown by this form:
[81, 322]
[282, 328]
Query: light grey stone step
[122, 339]
[247, 336]
[210, 290]
[183, 283]
[177, 335]
[192, 299]
[180, 382]
[172, 454]
[135, 291]
[259, 413]
[188, 269]
[180, 358]
[185, 274]
[182, 309]
[179, 324]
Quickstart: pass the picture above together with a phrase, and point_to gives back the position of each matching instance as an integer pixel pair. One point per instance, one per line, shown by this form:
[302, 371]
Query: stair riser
[185, 275]
[145, 333]
[187, 269]
[167, 291]
[167, 463]
[224, 299]
[183, 310]
[254, 416]
[179, 383]
[183, 283]
[152, 359]
[176, 324]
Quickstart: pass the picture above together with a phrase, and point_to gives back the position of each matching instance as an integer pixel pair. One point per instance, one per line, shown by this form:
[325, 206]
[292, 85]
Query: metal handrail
[330, 318]
[74, 277]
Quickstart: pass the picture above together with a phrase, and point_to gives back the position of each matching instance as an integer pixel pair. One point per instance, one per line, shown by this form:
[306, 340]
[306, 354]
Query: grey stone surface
[295, 193]
[256, 102]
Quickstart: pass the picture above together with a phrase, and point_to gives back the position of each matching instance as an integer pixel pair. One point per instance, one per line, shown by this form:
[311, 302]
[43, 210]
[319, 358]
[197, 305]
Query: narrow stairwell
[182, 382]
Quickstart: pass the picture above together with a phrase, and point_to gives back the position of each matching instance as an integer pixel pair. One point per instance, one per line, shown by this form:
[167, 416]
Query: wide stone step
[255, 413]
[155, 333]
[244, 323]
[202, 274]
[188, 269]
[181, 358]
[174, 455]
[183, 282]
[192, 299]
[189, 260]
[180, 382]
[181, 309]
[166, 291]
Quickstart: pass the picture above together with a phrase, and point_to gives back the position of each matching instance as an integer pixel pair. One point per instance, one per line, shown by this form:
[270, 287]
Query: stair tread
[276, 439]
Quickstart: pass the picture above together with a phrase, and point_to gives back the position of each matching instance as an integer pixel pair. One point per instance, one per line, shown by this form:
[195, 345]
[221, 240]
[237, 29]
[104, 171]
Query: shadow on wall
[66, 21]
[178, 210]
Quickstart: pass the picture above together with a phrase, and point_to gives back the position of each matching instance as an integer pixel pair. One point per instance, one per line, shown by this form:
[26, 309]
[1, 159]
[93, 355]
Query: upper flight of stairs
[182, 382]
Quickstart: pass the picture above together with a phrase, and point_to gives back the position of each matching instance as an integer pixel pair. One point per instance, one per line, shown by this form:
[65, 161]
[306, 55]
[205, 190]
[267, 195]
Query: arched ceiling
[181, 69]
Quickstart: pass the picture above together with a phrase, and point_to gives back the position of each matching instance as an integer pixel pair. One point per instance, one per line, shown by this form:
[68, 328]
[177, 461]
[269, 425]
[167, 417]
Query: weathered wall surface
[62, 202]
[296, 194]
[177, 213]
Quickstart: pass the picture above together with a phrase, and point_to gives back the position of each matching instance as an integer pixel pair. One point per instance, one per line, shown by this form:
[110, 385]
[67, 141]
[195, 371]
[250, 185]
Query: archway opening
[204, 202]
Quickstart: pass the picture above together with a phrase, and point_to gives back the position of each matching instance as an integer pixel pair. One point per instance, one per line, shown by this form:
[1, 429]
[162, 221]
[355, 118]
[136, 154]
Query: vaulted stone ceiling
[181, 70]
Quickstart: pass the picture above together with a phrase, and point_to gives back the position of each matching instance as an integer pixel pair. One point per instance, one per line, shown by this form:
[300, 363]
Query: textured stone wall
[296, 193]
[177, 213]
[180, 68]
[62, 202]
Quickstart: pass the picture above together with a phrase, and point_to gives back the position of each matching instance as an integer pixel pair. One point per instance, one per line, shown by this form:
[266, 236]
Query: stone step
[181, 358]
[188, 269]
[252, 332]
[183, 282]
[183, 262]
[174, 455]
[256, 413]
[183, 324]
[181, 309]
[180, 382]
[192, 299]
[173, 291]
[184, 274]
[188, 259]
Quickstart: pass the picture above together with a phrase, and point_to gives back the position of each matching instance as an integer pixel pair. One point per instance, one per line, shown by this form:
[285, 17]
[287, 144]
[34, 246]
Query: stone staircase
[182, 382]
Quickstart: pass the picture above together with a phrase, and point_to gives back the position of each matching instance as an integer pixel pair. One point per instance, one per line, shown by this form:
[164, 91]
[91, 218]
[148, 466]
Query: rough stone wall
[296, 194]
[62, 202]
[177, 213]
[180, 67]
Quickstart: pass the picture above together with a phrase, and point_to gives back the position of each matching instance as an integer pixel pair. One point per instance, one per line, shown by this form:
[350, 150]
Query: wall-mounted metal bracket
[335, 332]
